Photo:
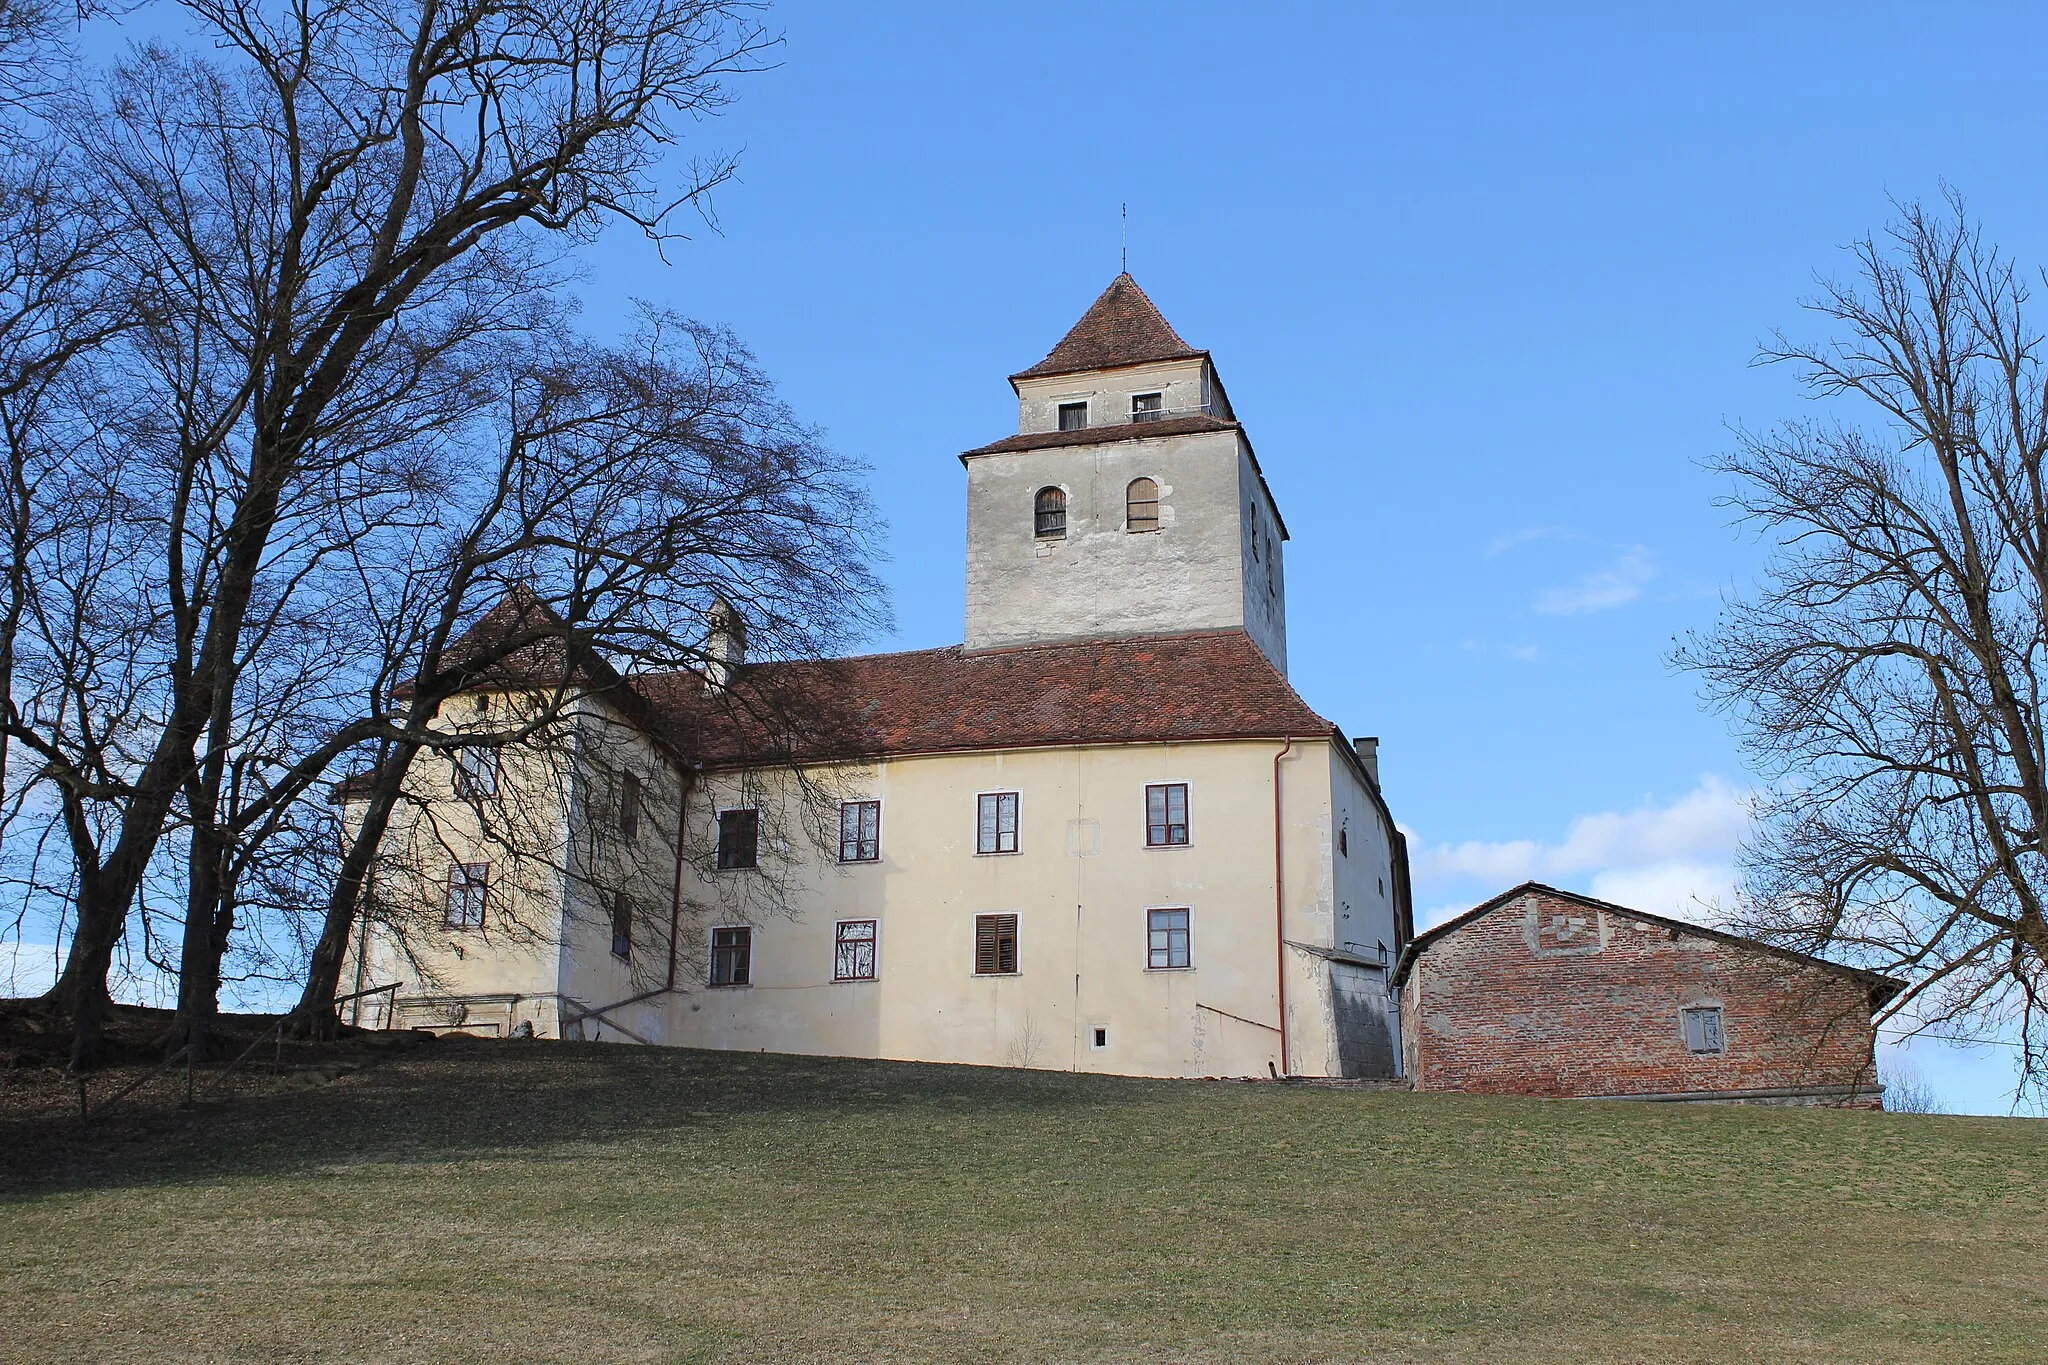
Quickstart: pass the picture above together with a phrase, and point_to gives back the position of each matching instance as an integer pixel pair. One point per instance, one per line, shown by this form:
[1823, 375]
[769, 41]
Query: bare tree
[325, 223]
[1889, 674]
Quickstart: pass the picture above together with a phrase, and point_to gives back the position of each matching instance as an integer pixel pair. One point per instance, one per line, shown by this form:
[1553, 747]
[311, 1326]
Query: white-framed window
[732, 955]
[739, 838]
[469, 891]
[1098, 1037]
[995, 822]
[1074, 416]
[1169, 945]
[1703, 1034]
[995, 944]
[1166, 814]
[1148, 407]
[853, 950]
[476, 772]
[860, 831]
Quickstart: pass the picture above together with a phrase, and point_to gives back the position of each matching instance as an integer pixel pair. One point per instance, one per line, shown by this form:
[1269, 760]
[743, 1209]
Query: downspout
[1280, 914]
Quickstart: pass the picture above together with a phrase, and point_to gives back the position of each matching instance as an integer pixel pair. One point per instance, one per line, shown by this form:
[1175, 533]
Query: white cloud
[1676, 859]
[1615, 585]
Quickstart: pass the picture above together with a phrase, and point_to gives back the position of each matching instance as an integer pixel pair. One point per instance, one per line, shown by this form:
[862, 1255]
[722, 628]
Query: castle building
[1102, 834]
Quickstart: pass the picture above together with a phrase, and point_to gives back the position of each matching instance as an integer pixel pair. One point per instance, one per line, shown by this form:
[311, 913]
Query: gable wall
[1546, 996]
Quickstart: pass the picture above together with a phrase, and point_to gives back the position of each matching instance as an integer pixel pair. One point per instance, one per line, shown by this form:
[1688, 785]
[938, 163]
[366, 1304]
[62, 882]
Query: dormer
[1122, 363]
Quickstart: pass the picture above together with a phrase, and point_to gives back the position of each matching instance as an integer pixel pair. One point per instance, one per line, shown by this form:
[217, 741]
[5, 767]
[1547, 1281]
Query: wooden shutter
[995, 944]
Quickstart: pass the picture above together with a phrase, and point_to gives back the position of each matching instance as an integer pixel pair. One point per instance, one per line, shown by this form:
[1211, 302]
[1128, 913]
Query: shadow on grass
[455, 1098]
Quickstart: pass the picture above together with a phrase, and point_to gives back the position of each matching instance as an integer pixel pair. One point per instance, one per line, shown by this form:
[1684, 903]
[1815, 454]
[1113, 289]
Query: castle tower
[1129, 503]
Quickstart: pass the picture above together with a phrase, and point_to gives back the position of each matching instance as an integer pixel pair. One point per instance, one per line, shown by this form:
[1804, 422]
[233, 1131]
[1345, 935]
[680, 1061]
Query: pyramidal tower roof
[1120, 328]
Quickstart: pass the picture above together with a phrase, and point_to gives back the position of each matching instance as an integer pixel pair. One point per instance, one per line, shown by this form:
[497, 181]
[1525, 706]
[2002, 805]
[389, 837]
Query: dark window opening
[1073, 416]
[1167, 943]
[1141, 505]
[1703, 1031]
[739, 839]
[629, 805]
[1050, 514]
[1344, 844]
[1102, 1037]
[622, 926]
[468, 891]
[860, 831]
[995, 945]
[996, 823]
[1166, 814]
[1148, 407]
[732, 957]
[854, 951]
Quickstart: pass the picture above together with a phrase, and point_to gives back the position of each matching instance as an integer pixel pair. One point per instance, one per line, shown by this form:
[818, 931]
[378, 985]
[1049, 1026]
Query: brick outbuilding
[1543, 992]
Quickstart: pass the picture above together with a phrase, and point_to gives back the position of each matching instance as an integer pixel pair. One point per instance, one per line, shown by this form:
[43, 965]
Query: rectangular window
[996, 828]
[1166, 814]
[854, 951]
[732, 957]
[469, 886]
[629, 805]
[1073, 416]
[995, 945]
[1703, 1031]
[860, 831]
[476, 773]
[1148, 407]
[1167, 939]
[739, 839]
[622, 926]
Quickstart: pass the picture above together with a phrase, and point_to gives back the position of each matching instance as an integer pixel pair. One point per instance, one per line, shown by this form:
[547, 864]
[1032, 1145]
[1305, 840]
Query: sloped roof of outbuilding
[1206, 686]
[1122, 327]
[1882, 987]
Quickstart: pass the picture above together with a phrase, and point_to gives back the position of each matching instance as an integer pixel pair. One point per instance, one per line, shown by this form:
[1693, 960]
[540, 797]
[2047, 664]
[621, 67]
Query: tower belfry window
[1141, 505]
[1050, 516]
[1148, 407]
[1073, 416]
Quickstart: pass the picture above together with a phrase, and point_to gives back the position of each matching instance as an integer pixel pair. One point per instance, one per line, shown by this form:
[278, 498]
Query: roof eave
[1035, 373]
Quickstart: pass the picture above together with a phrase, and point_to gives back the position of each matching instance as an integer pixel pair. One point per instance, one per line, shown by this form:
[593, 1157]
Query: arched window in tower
[1141, 506]
[1051, 514]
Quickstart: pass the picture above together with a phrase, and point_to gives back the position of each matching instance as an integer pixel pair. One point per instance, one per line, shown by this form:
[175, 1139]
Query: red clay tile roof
[1215, 685]
[1120, 328]
[1089, 436]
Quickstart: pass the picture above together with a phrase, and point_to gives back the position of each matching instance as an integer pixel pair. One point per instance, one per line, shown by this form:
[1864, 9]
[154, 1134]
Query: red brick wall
[1548, 996]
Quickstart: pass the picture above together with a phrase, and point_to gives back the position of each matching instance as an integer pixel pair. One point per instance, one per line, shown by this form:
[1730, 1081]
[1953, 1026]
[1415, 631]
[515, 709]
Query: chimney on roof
[1368, 747]
[725, 646]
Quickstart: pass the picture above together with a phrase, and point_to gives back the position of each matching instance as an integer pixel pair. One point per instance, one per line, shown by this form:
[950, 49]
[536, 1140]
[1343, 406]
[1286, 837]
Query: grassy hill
[471, 1200]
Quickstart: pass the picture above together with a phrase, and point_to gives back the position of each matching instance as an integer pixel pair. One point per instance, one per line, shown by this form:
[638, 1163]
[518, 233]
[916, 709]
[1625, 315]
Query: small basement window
[1073, 416]
[1049, 514]
[1101, 1036]
[1703, 1034]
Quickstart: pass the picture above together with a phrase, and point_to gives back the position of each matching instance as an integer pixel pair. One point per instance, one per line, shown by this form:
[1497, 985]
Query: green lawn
[471, 1200]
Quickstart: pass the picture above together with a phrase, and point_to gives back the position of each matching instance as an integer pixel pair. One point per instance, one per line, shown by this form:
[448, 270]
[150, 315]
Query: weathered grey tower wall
[1196, 572]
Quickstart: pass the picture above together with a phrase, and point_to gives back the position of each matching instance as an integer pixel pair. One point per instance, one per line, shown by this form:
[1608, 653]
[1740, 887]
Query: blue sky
[1485, 283]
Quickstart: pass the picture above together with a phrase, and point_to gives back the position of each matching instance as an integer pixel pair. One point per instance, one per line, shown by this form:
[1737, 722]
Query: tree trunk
[314, 1016]
[209, 919]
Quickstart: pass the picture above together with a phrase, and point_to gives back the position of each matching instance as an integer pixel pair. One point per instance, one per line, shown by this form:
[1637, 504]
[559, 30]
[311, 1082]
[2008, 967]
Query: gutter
[1280, 914]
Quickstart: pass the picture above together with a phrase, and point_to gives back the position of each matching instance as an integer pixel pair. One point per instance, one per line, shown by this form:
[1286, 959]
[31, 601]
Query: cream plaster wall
[1184, 385]
[1080, 885]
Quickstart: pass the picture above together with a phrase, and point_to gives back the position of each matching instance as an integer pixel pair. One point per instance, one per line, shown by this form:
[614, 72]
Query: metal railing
[1137, 418]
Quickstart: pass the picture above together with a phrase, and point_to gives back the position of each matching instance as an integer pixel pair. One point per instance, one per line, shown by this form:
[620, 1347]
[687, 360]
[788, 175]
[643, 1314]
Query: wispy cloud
[1501, 544]
[1616, 585]
[1670, 859]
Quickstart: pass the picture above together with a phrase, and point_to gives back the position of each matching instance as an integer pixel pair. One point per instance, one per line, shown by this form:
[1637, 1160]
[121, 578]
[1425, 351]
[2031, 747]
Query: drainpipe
[1280, 914]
